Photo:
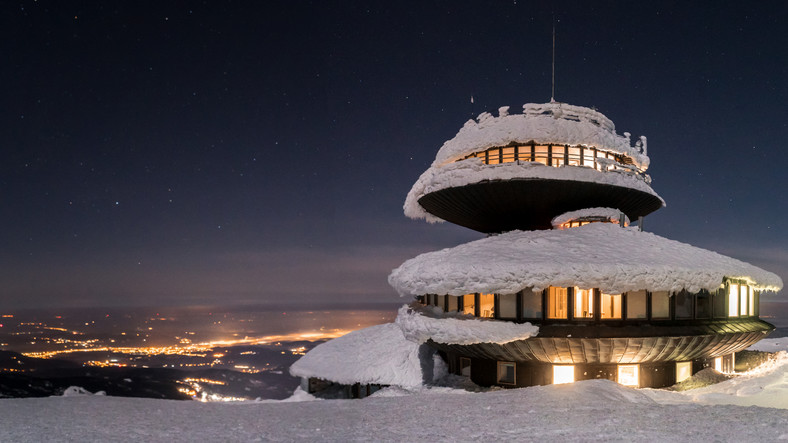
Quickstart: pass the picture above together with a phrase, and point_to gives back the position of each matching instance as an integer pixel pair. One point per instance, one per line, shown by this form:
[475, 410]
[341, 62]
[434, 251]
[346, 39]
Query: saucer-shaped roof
[597, 255]
[542, 123]
[497, 197]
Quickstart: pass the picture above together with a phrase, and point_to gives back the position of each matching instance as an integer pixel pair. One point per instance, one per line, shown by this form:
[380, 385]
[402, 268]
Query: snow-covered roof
[378, 355]
[597, 255]
[559, 123]
[612, 214]
[473, 170]
[456, 328]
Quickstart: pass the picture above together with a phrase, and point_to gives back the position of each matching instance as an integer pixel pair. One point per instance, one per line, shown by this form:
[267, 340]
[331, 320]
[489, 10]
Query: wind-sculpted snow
[558, 123]
[422, 325]
[594, 410]
[597, 255]
[377, 354]
[473, 170]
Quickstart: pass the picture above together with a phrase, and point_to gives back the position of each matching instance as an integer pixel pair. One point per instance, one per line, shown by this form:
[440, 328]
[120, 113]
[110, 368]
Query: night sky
[231, 152]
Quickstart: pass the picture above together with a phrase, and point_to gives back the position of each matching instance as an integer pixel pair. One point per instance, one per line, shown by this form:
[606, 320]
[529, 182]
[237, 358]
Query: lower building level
[486, 372]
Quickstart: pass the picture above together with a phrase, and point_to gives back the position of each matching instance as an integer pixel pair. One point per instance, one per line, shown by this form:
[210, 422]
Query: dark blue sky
[227, 152]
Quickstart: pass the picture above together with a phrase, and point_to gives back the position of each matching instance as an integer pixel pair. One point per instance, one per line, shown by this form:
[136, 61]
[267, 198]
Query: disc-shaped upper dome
[520, 171]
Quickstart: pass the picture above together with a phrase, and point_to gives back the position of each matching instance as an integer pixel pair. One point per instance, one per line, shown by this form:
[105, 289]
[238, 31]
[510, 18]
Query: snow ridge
[597, 255]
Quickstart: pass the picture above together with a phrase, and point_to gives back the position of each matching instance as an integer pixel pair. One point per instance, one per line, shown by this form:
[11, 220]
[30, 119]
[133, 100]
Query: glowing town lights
[563, 374]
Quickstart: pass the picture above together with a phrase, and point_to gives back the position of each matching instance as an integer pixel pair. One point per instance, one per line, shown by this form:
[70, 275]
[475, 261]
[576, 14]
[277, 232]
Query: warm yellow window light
[629, 375]
[718, 364]
[683, 370]
[563, 374]
[733, 300]
[584, 303]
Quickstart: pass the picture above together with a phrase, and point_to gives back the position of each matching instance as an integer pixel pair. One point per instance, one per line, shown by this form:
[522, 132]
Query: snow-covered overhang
[472, 171]
[597, 255]
[557, 123]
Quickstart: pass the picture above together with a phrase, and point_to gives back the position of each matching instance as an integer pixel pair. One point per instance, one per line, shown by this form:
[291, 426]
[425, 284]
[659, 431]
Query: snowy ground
[751, 407]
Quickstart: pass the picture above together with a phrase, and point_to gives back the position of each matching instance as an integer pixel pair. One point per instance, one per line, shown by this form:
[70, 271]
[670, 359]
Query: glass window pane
[574, 156]
[720, 308]
[751, 302]
[486, 305]
[683, 304]
[563, 374]
[683, 370]
[703, 305]
[636, 304]
[441, 300]
[532, 304]
[628, 375]
[493, 156]
[557, 154]
[584, 303]
[507, 154]
[733, 300]
[465, 366]
[588, 157]
[540, 154]
[506, 373]
[507, 304]
[556, 302]
[469, 304]
[524, 153]
[453, 303]
[660, 304]
[611, 306]
[745, 304]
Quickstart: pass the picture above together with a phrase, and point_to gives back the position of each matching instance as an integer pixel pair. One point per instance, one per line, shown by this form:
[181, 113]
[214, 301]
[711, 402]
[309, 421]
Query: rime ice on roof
[376, 355]
[598, 255]
[549, 123]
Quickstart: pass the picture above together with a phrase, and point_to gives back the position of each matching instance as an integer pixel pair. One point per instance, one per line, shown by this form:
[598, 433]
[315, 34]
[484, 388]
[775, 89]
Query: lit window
[507, 154]
[493, 156]
[540, 154]
[584, 303]
[743, 290]
[636, 304]
[557, 155]
[629, 375]
[556, 302]
[563, 374]
[751, 302]
[660, 304]
[683, 370]
[733, 300]
[465, 366]
[574, 156]
[486, 304]
[718, 364]
[611, 305]
[469, 304]
[506, 373]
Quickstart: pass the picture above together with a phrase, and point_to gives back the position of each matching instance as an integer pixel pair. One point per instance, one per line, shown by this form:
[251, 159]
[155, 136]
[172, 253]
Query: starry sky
[243, 152]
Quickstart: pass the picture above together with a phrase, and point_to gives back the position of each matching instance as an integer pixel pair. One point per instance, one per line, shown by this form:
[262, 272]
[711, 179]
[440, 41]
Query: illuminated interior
[563, 374]
[469, 304]
[735, 300]
[555, 155]
[610, 306]
[629, 375]
[556, 302]
[683, 370]
[486, 305]
[718, 364]
[584, 303]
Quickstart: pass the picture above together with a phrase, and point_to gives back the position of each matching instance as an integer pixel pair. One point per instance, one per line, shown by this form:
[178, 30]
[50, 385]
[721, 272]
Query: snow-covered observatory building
[555, 189]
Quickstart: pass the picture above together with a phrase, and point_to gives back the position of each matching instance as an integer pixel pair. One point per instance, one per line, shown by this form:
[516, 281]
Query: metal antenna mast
[552, 92]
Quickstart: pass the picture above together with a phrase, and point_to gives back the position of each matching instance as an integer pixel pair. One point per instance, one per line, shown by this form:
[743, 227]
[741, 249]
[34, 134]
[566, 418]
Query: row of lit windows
[551, 155]
[627, 375]
[734, 300]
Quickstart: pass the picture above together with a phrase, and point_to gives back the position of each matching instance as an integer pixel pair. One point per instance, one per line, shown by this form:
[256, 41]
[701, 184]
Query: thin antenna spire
[552, 92]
